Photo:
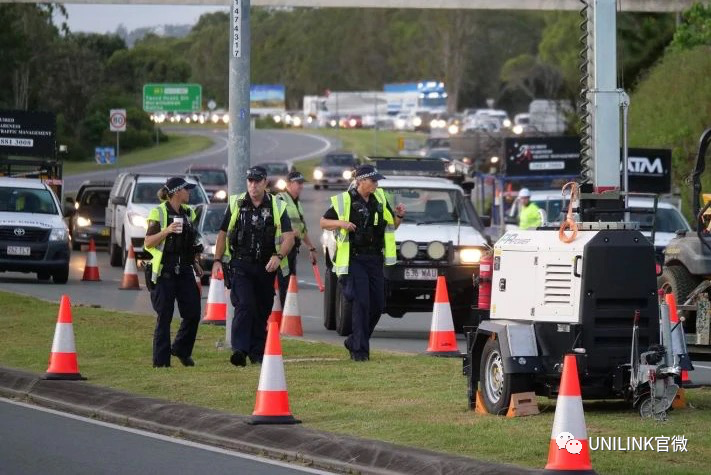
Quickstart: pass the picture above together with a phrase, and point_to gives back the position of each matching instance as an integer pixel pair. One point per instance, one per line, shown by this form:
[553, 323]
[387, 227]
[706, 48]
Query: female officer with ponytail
[173, 243]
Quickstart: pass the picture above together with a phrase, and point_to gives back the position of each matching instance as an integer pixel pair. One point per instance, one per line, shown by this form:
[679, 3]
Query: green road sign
[172, 97]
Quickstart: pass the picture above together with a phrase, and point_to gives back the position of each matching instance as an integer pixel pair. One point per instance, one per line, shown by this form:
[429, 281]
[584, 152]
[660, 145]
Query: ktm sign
[649, 170]
[645, 165]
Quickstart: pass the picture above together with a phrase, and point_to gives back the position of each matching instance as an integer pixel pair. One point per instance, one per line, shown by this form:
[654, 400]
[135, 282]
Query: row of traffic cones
[272, 401]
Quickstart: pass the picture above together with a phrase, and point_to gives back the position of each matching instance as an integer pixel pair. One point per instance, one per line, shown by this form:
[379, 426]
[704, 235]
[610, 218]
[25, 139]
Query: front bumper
[44, 257]
[418, 295]
[98, 232]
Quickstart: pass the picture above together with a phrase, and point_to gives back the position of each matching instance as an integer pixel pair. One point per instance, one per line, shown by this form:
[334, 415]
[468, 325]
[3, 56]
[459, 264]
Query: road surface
[42, 441]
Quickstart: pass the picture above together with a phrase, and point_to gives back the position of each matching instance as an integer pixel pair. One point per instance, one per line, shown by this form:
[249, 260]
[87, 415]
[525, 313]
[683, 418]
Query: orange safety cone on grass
[443, 341]
[291, 319]
[569, 451]
[63, 358]
[272, 405]
[130, 272]
[91, 269]
[216, 308]
[276, 314]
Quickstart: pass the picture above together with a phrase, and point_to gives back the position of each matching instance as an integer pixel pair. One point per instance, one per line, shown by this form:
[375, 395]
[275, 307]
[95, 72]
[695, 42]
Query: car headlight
[76, 205]
[408, 249]
[137, 220]
[59, 234]
[352, 122]
[296, 122]
[318, 174]
[507, 123]
[436, 250]
[433, 124]
[280, 184]
[451, 168]
[220, 195]
[83, 222]
[417, 121]
[517, 129]
[470, 255]
[347, 174]
[453, 129]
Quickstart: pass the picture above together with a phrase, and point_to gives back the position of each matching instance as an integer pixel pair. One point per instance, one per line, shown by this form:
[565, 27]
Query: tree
[695, 29]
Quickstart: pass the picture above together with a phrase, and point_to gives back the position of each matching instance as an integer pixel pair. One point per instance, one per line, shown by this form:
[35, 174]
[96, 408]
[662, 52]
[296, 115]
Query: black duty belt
[368, 251]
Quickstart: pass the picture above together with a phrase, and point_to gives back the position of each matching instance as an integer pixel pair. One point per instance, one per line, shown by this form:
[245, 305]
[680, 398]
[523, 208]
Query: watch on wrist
[313, 249]
[279, 256]
[400, 216]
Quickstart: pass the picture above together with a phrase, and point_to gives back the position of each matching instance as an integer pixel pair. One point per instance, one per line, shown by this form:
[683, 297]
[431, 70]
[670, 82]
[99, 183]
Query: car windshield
[339, 160]
[211, 177]
[668, 220]
[94, 200]
[430, 206]
[147, 193]
[276, 169]
[26, 200]
[213, 219]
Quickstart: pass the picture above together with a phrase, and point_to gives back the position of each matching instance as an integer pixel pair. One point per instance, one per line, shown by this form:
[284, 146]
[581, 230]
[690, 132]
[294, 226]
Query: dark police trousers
[168, 289]
[252, 295]
[364, 286]
[284, 280]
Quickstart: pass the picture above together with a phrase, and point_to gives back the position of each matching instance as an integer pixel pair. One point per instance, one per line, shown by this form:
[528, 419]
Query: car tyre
[317, 187]
[124, 249]
[497, 386]
[43, 276]
[344, 312]
[114, 253]
[61, 276]
[329, 299]
[676, 279]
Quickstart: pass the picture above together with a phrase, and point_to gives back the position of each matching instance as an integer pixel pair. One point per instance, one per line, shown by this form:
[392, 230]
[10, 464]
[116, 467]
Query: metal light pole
[238, 129]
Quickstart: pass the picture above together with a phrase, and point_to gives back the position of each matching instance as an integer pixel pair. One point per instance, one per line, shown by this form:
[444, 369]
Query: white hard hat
[524, 193]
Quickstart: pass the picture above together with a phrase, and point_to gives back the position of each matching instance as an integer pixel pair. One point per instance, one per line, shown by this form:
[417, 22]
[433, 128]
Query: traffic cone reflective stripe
[276, 315]
[91, 269]
[272, 402]
[216, 308]
[443, 341]
[63, 358]
[130, 272]
[291, 319]
[569, 417]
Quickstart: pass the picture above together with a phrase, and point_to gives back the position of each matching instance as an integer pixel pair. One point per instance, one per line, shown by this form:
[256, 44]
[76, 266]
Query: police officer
[253, 241]
[365, 225]
[529, 215]
[294, 186]
[173, 243]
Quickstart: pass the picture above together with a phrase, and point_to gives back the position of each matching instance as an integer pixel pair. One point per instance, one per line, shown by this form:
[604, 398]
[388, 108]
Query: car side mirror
[468, 187]
[119, 200]
[485, 220]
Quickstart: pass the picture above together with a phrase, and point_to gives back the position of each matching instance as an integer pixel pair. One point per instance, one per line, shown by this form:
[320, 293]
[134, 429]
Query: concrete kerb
[314, 448]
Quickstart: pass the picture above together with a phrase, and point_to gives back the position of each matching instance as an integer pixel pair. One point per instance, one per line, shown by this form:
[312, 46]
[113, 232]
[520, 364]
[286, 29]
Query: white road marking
[700, 366]
[166, 438]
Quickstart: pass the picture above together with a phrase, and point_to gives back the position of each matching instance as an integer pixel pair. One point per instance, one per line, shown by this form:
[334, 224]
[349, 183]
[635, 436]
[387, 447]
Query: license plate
[18, 251]
[420, 274]
[105, 232]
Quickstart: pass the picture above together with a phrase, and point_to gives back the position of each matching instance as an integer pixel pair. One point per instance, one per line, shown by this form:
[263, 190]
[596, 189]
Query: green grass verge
[361, 141]
[175, 147]
[405, 399]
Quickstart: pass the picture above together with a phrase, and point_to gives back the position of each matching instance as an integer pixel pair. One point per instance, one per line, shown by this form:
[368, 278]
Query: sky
[106, 18]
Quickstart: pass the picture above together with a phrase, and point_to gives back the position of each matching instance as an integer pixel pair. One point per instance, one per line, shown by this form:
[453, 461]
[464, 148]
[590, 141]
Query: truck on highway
[440, 235]
[132, 198]
[33, 235]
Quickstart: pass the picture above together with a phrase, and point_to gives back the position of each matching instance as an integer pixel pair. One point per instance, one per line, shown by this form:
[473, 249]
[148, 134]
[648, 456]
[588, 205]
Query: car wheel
[344, 312]
[43, 276]
[325, 187]
[329, 299]
[317, 187]
[114, 253]
[497, 386]
[61, 276]
[677, 280]
[76, 246]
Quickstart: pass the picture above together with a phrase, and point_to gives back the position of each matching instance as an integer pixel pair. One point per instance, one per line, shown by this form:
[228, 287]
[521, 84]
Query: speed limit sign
[117, 120]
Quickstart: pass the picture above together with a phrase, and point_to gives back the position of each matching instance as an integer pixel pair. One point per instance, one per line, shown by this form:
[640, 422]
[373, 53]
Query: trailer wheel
[497, 386]
[678, 280]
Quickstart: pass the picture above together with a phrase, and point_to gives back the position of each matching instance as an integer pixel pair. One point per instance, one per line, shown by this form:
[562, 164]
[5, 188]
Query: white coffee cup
[178, 220]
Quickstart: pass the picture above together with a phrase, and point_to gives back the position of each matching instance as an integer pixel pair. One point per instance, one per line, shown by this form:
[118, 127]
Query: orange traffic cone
[569, 451]
[216, 309]
[443, 341]
[63, 359]
[272, 405]
[130, 272]
[91, 269]
[291, 319]
[678, 339]
[276, 314]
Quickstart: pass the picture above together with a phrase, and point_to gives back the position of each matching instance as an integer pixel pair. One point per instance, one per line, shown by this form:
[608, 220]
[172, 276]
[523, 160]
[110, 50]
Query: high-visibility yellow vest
[342, 204]
[278, 208]
[295, 212]
[529, 217]
[159, 214]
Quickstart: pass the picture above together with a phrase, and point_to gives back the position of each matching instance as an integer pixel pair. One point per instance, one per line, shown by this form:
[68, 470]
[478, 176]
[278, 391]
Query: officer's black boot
[238, 358]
